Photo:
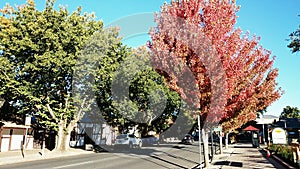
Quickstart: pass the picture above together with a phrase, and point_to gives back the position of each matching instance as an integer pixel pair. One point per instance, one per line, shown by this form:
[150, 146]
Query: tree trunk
[226, 140]
[212, 144]
[221, 143]
[63, 136]
[205, 149]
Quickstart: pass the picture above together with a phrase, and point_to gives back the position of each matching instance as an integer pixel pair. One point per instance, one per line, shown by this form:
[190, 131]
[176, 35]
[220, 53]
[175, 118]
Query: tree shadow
[229, 163]
[161, 158]
[243, 146]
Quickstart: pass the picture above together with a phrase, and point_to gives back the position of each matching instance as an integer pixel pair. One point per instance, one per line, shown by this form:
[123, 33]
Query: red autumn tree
[225, 76]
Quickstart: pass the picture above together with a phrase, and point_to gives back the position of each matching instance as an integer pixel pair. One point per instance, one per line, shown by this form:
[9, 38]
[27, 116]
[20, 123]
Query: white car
[128, 140]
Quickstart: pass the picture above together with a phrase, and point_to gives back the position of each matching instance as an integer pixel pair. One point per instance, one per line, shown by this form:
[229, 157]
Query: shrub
[283, 151]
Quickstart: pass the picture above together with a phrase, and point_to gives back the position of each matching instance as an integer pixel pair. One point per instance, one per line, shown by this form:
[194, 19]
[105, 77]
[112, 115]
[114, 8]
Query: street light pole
[263, 129]
[199, 138]
[27, 124]
[268, 135]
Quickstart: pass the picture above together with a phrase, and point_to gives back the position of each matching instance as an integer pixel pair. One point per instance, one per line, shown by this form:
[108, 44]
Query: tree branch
[51, 112]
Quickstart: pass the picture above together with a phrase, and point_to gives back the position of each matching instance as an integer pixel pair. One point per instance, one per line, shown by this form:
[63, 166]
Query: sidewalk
[32, 155]
[243, 156]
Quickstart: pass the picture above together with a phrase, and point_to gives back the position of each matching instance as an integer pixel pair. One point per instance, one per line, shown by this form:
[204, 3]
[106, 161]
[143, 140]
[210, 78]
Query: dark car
[150, 140]
[188, 139]
[216, 139]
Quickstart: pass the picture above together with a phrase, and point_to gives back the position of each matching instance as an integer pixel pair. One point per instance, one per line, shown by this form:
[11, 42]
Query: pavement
[243, 155]
[36, 154]
[239, 155]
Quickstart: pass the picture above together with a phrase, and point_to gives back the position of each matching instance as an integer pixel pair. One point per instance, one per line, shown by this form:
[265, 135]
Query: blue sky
[272, 20]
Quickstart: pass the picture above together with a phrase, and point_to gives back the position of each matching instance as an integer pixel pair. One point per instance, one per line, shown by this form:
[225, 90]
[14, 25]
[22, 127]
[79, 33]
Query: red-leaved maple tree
[224, 75]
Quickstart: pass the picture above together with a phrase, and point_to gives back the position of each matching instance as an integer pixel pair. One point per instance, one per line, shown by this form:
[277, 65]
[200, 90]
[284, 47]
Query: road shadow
[169, 162]
[242, 146]
[161, 157]
[229, 163]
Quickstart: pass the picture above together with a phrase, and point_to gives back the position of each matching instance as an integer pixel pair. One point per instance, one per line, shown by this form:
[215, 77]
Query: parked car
[216, 138]
[195, 135]
[188, 139]
[128, 140]
[150, 140]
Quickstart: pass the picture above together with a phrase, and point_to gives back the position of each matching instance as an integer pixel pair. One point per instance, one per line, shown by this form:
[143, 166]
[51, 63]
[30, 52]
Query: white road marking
[87, 162]
[72, 165]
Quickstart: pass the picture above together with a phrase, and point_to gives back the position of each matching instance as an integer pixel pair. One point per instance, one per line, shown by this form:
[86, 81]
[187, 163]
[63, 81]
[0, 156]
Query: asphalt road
[170, 156]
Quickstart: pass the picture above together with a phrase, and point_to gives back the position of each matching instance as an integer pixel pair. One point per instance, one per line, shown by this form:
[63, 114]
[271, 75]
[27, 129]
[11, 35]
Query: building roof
[293, 123]
[267, 119]
[270, 117]
[5, 124]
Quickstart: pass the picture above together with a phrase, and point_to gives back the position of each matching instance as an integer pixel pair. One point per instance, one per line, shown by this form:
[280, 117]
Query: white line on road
[72, 165]
[87, 162]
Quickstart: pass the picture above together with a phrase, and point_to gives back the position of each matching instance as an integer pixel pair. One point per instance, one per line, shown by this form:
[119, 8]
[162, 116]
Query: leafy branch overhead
[294, 39]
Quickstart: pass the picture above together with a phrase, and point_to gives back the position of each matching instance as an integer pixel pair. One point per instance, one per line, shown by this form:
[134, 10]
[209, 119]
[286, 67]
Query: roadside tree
[294, 40]
[290, 112]
[129, 93]
[38, 55]
[224, 75]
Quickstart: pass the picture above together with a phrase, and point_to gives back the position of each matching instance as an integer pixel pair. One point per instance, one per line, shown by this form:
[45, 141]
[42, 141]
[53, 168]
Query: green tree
[95, 70]
[38, 54]
[128, 91]
[290, 112]
[294, 40]
[155, 104]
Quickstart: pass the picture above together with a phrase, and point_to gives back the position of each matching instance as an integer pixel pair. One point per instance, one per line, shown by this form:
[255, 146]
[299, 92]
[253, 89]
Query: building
[12, 136]
[292, 127]
[91, 131]
[266, 121]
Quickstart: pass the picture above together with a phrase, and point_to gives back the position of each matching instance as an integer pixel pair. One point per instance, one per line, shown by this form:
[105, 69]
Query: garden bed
[283, 154]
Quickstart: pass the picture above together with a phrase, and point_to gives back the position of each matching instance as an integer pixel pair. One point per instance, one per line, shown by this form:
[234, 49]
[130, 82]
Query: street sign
[27, 120]
[219, 128]
[279, 136]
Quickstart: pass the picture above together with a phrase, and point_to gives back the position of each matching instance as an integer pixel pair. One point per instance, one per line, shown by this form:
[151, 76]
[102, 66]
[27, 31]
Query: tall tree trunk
[63, 136]
[212, 144]
[221, 142]
[205, 145]
[226, 140]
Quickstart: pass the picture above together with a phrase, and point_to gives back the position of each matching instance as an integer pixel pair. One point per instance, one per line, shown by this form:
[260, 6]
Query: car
[195, 136]
[150, 140]
[188, 139]
[216, 139]
[128, 141]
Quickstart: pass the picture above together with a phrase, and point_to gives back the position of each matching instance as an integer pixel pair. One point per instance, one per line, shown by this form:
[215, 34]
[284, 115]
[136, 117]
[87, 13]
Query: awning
[12, 125]
[250, 128]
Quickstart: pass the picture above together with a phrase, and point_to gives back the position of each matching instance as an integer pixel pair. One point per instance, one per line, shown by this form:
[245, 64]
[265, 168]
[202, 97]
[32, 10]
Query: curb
[37, 156]
[283, 163]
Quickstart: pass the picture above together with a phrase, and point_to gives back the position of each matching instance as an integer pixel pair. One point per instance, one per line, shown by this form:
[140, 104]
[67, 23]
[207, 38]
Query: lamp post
[199, 138]
[268, 135]
[27, 124]
[263, 129]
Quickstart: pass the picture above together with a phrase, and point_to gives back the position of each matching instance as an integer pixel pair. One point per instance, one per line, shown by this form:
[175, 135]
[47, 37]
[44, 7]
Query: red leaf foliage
[225, 75]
